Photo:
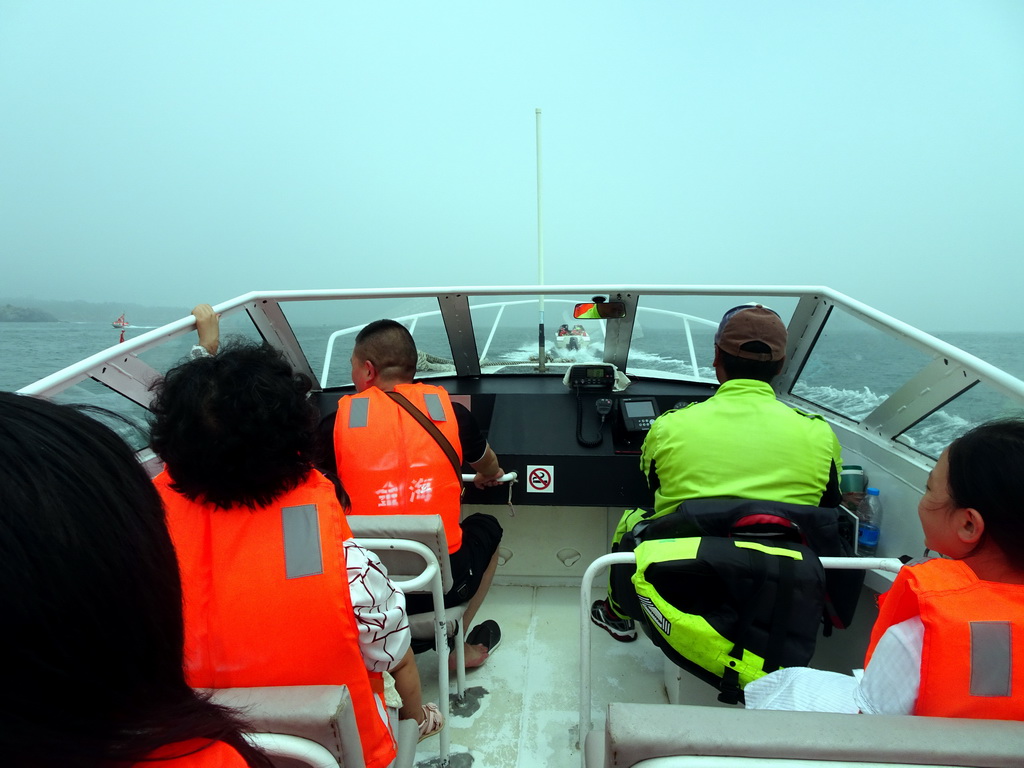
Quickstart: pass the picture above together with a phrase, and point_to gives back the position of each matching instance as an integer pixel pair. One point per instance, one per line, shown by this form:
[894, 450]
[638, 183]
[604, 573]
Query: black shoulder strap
[432, 429]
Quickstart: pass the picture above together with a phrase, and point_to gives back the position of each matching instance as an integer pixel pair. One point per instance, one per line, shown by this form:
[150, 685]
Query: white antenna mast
[541, 353]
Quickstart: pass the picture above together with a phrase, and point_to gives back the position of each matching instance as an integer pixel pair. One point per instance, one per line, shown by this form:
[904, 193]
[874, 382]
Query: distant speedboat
[121, 322]
[575, 338]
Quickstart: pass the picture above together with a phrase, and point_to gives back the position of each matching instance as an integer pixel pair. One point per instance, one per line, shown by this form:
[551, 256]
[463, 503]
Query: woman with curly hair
[276, 591]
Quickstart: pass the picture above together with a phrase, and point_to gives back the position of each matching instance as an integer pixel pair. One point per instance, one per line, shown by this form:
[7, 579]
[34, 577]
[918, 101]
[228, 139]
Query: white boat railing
[951, 372]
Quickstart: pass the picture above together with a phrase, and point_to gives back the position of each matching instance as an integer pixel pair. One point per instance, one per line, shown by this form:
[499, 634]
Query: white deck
[521, 709]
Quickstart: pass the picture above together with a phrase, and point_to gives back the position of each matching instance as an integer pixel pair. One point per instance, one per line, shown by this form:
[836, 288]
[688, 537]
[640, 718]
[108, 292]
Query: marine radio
[592, 377]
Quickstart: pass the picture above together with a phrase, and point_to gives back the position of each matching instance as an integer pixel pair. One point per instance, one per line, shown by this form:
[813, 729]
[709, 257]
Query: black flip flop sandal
[486, 633]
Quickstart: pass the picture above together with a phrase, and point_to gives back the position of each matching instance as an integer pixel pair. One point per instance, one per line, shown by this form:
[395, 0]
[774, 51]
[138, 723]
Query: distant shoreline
[12, 314]
[20, 309]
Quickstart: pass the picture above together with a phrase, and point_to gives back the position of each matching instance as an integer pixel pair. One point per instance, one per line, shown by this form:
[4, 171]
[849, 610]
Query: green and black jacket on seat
[730, 610]
[827, 532]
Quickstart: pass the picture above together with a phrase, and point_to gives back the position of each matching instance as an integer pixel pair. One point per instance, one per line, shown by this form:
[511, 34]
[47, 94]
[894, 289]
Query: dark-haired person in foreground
[947, 639]
[741, 443]
[91, 604]
[276, 591]
[390, 464]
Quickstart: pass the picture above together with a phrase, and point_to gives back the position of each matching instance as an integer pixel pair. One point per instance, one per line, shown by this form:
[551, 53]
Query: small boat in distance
[121, 322]
[575, 338]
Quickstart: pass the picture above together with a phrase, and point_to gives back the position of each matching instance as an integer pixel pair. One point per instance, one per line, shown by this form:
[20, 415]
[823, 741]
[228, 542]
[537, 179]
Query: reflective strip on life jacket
[301, 529]
[435, 409]
[991, 658]
[359, 413]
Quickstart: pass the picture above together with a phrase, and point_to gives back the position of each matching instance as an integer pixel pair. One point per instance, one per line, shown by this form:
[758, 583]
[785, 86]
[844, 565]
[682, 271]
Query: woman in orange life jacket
[958, 614]
[91, 605]
[237, 433]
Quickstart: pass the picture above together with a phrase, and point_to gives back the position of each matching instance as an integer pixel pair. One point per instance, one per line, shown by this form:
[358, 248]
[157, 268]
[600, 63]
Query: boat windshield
[859, 368]
[661, 336]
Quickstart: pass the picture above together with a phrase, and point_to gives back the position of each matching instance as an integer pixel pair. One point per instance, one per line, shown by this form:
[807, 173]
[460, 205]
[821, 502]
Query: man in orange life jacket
[391, 464]
[275, 590]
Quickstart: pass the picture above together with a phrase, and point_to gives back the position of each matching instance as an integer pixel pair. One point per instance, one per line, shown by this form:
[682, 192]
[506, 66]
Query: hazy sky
[175, 152]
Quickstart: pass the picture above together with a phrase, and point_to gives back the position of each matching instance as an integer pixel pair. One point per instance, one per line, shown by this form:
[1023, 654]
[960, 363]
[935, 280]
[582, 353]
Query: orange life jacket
[972, 662]
[267, 600]
[389, 464]
[194, 753]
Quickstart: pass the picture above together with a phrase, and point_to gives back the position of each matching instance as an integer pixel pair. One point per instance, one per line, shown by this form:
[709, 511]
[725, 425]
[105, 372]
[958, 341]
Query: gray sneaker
[621, 629]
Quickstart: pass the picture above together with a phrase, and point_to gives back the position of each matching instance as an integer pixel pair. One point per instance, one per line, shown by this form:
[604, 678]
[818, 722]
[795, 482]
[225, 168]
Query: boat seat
[309, 725]
[588, 742]
[677, 736]
[414, 549]
[404, 565]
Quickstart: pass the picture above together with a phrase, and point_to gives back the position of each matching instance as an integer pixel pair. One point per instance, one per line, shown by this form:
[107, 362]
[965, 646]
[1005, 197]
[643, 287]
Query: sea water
[30, 351]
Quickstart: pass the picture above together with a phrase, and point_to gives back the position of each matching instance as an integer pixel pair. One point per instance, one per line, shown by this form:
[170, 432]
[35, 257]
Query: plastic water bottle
[870, 513]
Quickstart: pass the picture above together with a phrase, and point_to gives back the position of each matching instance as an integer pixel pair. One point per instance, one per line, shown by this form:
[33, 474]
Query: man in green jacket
[741, 443]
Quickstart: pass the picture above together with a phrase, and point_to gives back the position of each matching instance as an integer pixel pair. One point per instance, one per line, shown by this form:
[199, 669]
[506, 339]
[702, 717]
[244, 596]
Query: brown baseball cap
[752, 322]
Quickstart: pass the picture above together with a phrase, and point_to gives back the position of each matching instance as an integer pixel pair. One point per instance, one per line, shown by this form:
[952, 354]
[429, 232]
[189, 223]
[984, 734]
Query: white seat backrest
[426, 529]
[395, 539]
[319, 713]
[636, 733]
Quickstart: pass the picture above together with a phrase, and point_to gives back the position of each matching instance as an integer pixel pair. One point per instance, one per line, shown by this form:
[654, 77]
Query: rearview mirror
[600, 310]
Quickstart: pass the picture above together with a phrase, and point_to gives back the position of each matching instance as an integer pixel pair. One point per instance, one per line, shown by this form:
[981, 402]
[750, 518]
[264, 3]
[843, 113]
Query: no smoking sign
[540, 478]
